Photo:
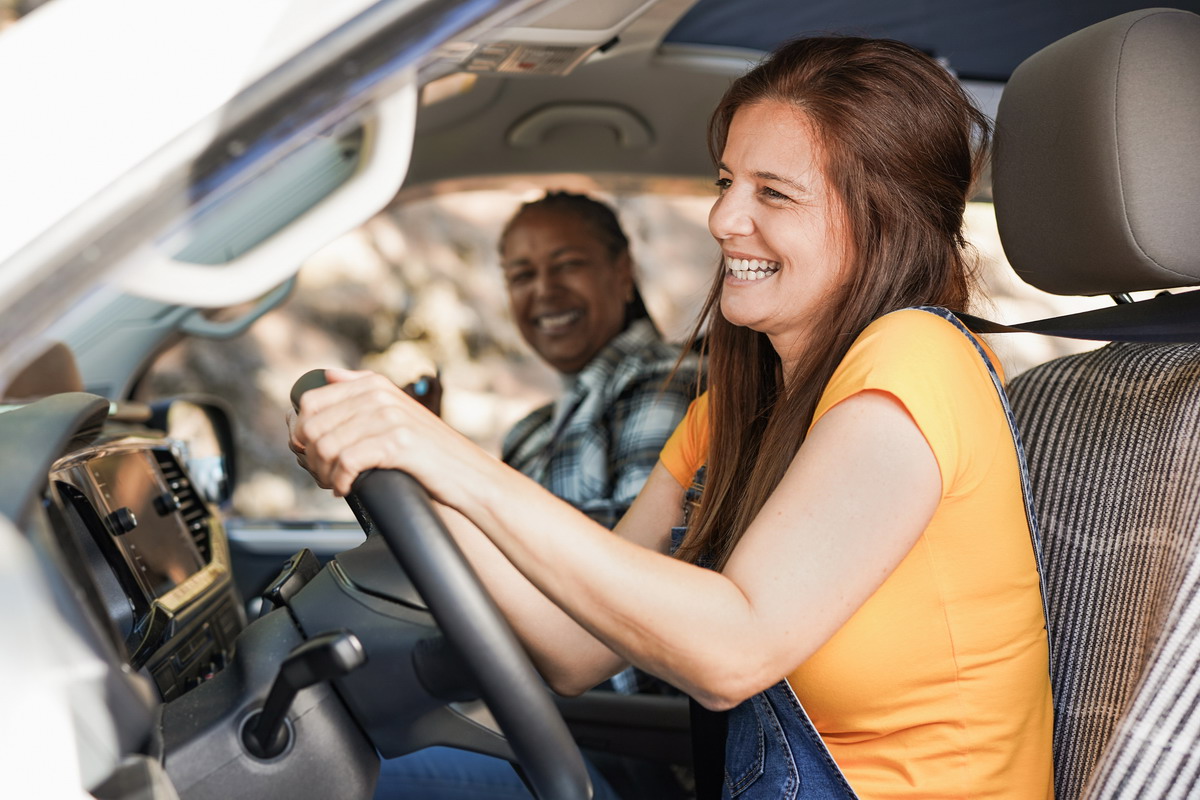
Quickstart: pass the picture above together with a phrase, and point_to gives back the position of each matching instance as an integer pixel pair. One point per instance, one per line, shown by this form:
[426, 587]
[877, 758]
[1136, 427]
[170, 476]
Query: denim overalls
[771, 750]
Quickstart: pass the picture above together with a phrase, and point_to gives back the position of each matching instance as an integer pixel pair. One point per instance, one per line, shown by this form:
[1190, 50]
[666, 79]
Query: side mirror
[203, 428]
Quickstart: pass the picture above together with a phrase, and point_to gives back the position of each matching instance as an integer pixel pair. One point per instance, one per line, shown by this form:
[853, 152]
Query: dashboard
[155, 557]
[116, 513]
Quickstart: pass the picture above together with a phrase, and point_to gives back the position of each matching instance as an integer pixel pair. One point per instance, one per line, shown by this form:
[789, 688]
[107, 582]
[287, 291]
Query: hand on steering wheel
[402, 513]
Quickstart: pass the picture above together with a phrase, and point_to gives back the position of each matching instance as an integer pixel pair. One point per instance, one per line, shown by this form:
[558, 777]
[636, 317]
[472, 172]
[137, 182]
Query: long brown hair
[902, 147]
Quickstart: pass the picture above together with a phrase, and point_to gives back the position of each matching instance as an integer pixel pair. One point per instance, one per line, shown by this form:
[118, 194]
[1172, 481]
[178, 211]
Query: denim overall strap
[1026, 486]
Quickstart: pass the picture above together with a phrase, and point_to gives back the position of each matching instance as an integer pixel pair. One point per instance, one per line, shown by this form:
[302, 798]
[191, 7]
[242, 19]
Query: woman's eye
[771, 194]
[722, 184]
[517, 278]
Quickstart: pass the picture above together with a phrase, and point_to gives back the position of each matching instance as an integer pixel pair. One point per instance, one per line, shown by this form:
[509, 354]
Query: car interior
[179, 650]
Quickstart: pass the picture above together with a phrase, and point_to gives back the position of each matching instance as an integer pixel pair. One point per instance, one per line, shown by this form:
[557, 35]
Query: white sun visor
[252, 235]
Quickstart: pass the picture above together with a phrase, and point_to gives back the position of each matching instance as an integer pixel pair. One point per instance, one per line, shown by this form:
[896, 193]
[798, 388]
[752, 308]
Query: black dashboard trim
[34, 436]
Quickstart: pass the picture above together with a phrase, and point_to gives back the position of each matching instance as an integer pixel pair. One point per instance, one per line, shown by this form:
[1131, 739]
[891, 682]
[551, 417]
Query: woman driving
[851, 576]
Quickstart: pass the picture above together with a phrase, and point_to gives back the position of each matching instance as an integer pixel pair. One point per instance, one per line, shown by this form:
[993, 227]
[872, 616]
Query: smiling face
[779, 224]
[566, 290]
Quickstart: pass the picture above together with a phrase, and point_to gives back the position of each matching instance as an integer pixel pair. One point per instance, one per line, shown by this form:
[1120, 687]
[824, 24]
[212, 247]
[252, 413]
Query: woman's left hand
[361, 421]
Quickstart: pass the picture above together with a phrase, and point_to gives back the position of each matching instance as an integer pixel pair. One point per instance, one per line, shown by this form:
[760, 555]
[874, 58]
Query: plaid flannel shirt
[597, 444]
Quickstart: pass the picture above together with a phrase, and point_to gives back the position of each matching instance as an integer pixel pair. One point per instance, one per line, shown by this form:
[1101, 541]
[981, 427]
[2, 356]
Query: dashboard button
[166, 503]
[123, 520]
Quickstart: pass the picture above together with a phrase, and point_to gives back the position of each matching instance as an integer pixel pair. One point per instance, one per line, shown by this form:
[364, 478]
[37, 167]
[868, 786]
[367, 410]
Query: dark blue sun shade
[979, 39]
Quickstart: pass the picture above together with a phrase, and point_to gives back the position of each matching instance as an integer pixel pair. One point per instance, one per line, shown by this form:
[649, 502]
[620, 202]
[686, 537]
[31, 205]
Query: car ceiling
[663, 75]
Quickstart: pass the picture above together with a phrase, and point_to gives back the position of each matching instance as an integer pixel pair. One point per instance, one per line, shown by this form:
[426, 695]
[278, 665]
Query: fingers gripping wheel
[402, 514]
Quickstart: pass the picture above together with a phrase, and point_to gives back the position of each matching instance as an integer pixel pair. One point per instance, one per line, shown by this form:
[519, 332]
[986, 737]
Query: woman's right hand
[361, 420]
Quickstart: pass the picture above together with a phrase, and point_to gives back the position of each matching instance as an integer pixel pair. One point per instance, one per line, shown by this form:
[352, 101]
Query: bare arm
[570, 658]
[854, 500]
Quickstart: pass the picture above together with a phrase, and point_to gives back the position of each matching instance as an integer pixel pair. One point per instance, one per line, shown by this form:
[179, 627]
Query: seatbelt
[709, 729]
[1166, 318]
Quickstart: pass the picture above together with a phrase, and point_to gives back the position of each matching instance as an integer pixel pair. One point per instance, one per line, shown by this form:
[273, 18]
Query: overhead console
[551, 43]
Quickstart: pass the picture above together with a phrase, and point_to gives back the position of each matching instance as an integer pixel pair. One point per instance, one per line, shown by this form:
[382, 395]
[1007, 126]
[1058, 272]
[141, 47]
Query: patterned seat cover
[1112, 439]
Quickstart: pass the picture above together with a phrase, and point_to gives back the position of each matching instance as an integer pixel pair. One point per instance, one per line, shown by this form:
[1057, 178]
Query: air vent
[191, 507]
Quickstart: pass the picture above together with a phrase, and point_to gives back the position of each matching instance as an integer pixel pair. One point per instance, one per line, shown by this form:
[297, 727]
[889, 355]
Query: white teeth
[557, 320]
[751, 269]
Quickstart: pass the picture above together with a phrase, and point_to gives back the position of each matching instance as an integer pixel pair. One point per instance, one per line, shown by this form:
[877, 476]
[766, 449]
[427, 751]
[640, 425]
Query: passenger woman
[572, 293]
[852, 575]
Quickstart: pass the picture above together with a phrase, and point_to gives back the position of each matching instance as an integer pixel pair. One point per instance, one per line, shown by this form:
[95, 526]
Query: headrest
[1096, 167]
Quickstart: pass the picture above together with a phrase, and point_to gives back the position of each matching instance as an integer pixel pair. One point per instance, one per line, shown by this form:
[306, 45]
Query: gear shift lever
[330, 655]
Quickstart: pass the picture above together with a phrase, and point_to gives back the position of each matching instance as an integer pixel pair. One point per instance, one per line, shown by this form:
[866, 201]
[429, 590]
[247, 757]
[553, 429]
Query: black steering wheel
[402, 513]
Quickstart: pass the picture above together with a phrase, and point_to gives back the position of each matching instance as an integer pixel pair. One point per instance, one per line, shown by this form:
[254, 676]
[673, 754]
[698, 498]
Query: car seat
[1096, 182]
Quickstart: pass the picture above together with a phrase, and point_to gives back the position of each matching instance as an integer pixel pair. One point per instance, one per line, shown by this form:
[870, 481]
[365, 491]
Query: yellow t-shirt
[938, 686]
